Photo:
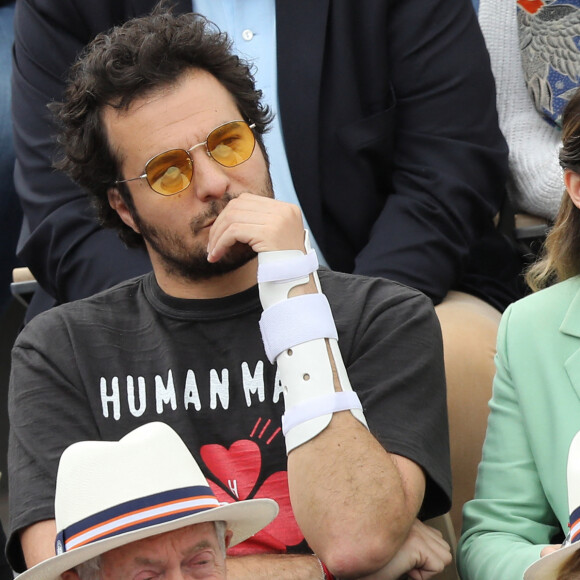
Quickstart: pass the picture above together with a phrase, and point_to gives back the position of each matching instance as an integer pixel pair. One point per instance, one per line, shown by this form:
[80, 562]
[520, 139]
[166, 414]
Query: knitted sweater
[536, 184]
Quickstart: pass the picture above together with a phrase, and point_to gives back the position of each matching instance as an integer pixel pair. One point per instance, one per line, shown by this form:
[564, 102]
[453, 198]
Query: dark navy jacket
[388, 113]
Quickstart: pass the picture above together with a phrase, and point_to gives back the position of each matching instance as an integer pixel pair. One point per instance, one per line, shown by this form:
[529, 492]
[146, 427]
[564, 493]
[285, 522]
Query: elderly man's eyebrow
[201, 545]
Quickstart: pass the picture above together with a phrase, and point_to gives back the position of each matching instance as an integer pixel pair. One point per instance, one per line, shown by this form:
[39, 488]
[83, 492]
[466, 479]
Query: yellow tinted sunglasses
[172, 171]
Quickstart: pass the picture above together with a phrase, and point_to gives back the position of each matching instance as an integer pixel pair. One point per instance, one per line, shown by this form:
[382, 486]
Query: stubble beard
[190, 262]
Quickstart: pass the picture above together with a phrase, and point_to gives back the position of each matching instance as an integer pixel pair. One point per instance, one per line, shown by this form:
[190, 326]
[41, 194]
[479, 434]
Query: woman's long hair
[560, 258]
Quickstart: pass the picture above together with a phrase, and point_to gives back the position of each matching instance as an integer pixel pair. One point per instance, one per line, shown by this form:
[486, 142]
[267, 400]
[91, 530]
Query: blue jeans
[10, 211]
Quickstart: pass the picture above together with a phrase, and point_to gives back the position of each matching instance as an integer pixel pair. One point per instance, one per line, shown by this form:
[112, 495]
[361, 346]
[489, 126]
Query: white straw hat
[109, 494]
[547, 568]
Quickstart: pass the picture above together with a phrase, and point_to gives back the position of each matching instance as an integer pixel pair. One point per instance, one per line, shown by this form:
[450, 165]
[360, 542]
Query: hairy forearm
[352, 503]
[279, 566]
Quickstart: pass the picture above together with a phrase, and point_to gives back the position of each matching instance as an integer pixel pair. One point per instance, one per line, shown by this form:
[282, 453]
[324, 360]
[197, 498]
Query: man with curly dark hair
[385, 133]
[233, 338]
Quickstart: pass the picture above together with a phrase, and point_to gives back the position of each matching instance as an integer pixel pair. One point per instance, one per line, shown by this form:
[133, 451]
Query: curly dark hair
[127, 63]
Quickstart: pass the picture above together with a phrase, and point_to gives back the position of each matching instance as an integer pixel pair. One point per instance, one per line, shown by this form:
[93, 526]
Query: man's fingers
[435, 553]
[261, 222]
[250, 234]
[435, 536]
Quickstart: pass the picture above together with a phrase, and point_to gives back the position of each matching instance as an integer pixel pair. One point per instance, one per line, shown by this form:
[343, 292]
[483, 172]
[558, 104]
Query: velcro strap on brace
[313, 408]
[280, 271]
[286, 265]
[294, 321]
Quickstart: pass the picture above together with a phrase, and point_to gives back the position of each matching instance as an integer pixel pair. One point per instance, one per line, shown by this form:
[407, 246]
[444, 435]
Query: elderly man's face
[189, 553]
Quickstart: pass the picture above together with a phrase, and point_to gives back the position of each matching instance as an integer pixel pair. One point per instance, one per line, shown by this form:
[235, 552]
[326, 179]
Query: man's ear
[228, 538]
[70, 575]
[119, 205]
[572, 182]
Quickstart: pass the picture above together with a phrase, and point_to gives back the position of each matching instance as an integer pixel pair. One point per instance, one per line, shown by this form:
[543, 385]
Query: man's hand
[550, 549]
[263, 223]
[424, 554]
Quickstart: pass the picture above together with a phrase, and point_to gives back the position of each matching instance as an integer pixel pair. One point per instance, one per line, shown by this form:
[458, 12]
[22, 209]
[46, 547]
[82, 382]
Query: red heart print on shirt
[238, 469]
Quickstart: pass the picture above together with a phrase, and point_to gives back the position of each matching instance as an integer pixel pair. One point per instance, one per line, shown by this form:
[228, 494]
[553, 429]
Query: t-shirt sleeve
[393, 351]
[48, 410]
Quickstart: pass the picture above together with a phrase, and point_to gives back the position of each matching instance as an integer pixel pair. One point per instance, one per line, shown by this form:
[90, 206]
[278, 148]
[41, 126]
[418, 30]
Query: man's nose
[210, 180]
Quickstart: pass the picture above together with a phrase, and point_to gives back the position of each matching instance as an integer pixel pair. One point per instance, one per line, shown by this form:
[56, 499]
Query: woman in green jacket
[520, 511]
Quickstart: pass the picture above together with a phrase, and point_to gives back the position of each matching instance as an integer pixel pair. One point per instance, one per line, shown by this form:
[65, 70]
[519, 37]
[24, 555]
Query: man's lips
[204, 225]
[207, 218]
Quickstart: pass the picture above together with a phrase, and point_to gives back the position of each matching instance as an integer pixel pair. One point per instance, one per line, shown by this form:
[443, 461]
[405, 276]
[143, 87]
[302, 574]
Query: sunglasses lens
[231, 144]
[170, 172]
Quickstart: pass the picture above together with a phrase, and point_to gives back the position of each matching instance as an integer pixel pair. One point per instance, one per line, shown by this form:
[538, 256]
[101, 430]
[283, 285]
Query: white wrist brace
[295, 333]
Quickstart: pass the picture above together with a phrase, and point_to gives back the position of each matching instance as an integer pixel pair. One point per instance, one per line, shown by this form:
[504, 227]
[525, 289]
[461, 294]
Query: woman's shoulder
[558, 297]
[544, 310]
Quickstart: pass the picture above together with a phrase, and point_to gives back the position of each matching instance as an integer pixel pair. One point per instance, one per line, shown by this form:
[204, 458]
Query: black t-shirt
[100, 367]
